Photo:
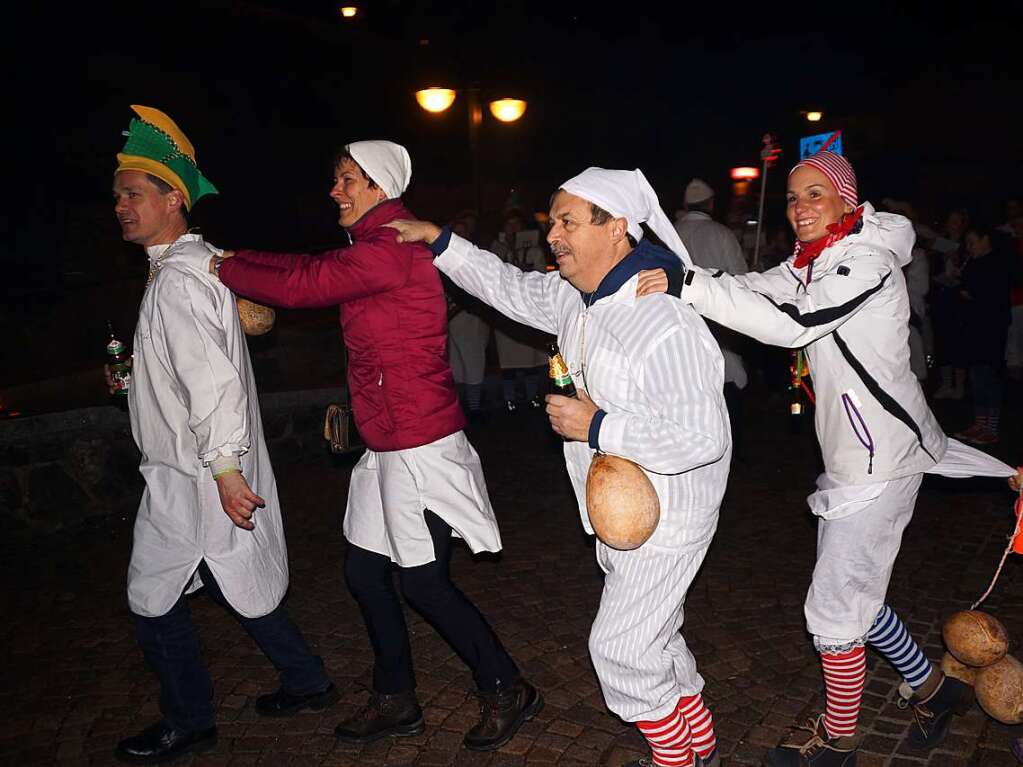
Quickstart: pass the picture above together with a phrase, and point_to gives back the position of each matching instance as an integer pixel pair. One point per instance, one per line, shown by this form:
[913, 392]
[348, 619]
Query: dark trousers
[428, 588]
[172, 649]
[986, 386]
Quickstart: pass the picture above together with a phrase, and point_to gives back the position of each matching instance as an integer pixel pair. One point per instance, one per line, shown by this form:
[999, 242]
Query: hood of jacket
[645, 255]
[885, 231]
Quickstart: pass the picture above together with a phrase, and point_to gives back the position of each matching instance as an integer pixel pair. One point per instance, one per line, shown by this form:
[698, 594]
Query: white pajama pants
[640, 657]
[858, 539]
[855, 556]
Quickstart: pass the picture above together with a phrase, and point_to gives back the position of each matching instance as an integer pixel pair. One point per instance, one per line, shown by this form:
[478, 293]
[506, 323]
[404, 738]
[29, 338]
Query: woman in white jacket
[843, 297]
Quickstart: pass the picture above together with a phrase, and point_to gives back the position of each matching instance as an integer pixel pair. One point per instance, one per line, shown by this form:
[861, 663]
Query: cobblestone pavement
[73, 680]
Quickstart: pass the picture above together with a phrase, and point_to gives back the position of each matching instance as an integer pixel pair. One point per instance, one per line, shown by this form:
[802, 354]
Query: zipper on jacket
[851, 401]
[380, 380]
[799, 283]
[581, 347]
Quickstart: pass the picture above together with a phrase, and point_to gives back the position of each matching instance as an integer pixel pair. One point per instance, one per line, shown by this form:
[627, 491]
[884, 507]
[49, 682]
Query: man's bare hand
[1016, 482]
[415, 231]
[652, 281]
[217, 260]
[571, 417]
[237, 499]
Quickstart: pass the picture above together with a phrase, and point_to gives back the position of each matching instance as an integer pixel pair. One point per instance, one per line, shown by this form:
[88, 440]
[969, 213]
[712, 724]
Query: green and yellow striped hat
[157, 146]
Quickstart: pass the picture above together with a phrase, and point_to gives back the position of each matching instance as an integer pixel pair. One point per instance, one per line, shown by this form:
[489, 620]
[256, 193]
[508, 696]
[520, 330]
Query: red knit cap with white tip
[838, 171]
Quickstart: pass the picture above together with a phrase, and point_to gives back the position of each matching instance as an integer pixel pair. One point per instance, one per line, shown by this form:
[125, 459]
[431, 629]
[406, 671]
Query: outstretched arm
[327, 279]
[774, 308]
[526, 297]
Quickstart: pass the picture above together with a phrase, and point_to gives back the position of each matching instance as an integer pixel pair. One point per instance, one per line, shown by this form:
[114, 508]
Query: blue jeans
[170, 644]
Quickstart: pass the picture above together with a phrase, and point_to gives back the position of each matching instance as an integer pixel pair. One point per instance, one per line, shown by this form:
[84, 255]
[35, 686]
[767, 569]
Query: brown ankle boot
[502, 713]
[383, 715]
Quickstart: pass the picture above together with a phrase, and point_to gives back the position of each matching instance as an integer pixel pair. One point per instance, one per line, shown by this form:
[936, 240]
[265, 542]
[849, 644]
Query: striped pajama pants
[641, 659]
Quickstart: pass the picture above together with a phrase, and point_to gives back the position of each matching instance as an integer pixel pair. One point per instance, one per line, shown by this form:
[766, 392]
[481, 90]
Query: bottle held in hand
[561, 379]
[119, 365]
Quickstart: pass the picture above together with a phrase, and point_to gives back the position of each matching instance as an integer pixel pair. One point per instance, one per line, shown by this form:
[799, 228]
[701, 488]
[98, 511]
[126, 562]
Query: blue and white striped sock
[889, 637]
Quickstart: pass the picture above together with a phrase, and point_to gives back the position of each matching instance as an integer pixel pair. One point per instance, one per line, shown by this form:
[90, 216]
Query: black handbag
[339, 427]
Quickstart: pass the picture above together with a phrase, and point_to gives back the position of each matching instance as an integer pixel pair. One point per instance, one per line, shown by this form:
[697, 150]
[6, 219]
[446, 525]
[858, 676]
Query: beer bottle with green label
[119, 364]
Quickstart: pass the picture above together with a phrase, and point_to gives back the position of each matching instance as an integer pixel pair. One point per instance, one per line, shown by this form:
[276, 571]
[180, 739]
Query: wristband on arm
[225, 464]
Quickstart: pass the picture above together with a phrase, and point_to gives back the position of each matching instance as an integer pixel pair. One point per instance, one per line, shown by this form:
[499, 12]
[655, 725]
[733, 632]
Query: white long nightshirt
[192, 400]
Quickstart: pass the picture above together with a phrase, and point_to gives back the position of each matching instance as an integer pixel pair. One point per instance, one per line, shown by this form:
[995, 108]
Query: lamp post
[507, 110]
[769, 156]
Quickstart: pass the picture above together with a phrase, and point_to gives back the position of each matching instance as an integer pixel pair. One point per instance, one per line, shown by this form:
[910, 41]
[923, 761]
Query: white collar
[157, 252]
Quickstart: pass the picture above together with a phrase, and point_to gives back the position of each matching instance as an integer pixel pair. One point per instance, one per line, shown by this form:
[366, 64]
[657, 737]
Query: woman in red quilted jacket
[420, 482]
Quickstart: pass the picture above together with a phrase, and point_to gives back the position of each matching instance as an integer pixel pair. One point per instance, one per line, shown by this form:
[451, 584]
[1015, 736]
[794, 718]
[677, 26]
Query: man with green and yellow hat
[210, 516]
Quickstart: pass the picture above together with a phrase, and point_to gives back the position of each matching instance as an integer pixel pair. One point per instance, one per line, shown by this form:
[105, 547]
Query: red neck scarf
[806, 252]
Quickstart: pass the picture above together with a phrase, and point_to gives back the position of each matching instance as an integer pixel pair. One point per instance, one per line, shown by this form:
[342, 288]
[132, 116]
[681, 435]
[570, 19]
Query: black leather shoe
[502, 713]
[283, 703]
[932, 714]
[160, 743]
[398, 714]
[809, 745]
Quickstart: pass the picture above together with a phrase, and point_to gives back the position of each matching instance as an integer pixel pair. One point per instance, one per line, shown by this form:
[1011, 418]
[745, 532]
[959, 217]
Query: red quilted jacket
[393, 319]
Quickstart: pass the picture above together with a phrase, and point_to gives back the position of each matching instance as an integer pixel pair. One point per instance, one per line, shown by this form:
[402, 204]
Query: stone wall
[62, 470]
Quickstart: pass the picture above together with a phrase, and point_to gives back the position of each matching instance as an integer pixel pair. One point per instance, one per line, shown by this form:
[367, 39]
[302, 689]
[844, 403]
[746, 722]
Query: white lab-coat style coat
[710, 244]
[714, 246]
[193, 399]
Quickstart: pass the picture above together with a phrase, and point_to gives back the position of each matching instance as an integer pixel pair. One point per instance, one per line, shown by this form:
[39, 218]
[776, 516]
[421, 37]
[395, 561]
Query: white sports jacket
[850, 309]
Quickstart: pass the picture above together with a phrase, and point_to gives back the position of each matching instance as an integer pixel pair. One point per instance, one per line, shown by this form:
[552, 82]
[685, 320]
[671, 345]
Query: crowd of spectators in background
[965, 284]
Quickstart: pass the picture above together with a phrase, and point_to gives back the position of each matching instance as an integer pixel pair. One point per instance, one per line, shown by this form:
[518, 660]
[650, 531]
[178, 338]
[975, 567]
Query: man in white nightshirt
[209, 515]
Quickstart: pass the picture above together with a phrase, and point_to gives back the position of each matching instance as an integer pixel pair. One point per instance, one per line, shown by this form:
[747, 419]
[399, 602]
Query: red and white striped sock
[670, 740]
[845, 674]
[700, 722]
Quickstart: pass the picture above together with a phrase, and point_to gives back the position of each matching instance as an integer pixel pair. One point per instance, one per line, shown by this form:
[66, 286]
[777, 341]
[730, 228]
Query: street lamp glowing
[435, 99]
[745, 174]
[507, 110]
[814, 117]
[349, 11]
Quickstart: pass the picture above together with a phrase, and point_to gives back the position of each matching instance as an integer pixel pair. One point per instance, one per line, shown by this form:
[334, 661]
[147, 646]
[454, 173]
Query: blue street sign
[811, 145]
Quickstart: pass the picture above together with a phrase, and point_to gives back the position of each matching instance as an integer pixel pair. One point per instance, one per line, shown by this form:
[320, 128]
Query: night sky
[267, 90]
[929, 103]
